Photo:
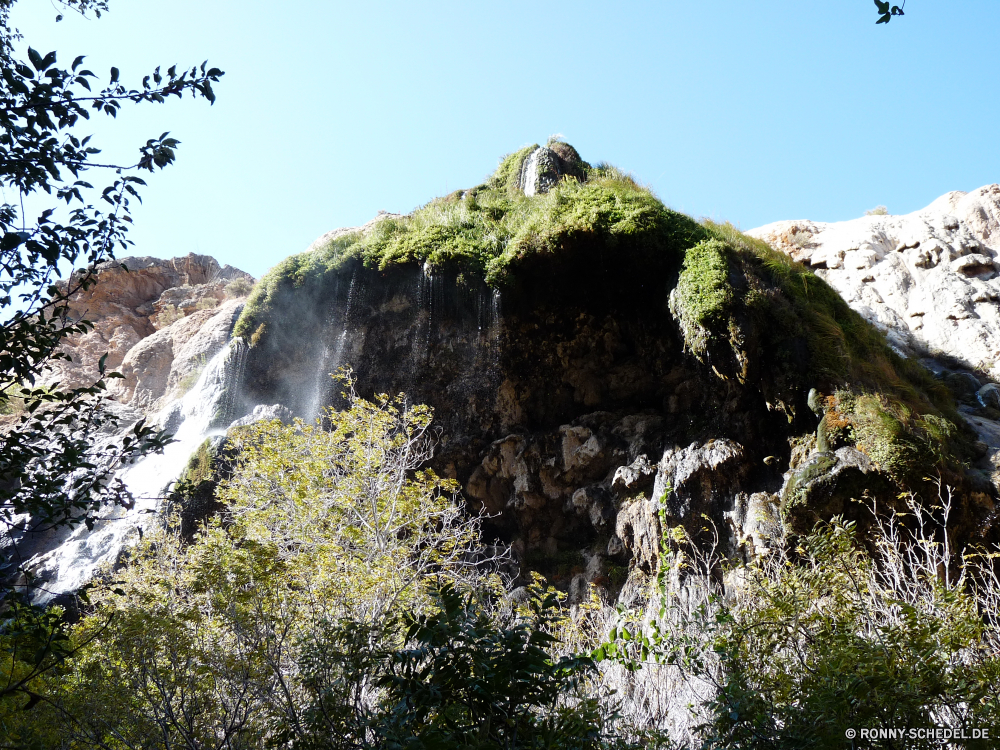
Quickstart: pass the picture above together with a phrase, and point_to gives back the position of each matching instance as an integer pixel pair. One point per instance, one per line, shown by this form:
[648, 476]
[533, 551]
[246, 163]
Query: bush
[467, 678]
[805, 646]
[238, 288]
[168, 314]
[207, 639]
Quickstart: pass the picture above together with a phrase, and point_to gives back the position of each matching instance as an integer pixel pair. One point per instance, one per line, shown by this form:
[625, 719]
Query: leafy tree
[53, 470]
[835, 638]
[468, 681]
[226, 641]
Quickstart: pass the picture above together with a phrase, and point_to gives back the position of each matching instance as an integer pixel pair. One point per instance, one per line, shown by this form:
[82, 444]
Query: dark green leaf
[35, 59]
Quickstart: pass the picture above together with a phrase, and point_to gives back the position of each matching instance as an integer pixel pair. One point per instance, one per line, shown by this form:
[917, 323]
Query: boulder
[964, 385]
[263, 413]
[989, 396]
[824, 486]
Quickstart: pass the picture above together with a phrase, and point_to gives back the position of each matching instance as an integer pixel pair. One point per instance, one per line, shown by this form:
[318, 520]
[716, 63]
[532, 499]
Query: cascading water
[488, 316]
[333, 353]
[206, 410]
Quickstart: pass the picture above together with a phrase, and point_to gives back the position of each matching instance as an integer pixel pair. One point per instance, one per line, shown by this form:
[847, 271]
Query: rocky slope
[601, 366]
[159, 322]
[930, 281]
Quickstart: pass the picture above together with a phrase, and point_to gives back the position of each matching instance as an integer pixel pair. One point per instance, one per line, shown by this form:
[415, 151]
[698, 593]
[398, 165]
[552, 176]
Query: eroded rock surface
[928, 279]
[157, 320]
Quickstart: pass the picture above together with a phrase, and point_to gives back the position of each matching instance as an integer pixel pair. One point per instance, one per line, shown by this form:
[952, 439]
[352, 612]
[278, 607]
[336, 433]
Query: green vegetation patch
[703, 291]
[200, 467]
[737, 290]
[490, 231]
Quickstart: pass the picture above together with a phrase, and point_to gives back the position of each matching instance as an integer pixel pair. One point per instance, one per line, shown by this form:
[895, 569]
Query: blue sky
[746, 112]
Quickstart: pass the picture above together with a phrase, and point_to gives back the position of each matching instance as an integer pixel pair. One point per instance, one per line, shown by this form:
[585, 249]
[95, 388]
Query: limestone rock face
[928, 279]
[168, 361]
[545, 165]
[148, 316]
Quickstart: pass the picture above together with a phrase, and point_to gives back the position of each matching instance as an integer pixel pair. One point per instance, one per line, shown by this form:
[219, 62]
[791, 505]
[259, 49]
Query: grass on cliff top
[487, 231]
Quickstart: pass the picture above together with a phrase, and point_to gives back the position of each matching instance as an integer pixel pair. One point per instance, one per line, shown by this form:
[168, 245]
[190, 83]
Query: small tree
[231, 636]
[53, 471]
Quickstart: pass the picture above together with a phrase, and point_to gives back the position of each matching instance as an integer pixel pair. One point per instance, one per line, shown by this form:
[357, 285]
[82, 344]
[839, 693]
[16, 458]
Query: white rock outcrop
[133, 300]
[929, 279]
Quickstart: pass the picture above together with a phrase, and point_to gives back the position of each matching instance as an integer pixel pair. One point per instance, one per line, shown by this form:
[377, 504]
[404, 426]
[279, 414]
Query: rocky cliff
[600, 366]
[159, 322]
[929, 280]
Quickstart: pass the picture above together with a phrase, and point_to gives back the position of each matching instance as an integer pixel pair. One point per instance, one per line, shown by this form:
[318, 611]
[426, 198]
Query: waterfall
[204, 411]
[529, 173]
[488, 318]
[333, 352]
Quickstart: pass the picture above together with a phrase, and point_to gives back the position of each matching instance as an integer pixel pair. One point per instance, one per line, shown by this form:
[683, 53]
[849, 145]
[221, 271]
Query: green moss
[703, 292]
[796, 492]
[893, 409]
[199, 467]
[492, 230]
[507, 176]
[746, 309]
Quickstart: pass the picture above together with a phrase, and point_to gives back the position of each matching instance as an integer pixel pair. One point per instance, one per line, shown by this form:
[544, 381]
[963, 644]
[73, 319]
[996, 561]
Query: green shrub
[467, 681]
[703, 292]
[238, 288]
[802, 648]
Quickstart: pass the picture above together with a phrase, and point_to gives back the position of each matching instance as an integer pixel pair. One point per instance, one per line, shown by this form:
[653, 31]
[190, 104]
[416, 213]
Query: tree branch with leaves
[53, 471]
[886, 12]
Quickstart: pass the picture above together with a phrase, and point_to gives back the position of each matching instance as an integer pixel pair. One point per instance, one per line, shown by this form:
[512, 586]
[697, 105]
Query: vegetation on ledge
[745, 309]
[489, 231]
[739, 300]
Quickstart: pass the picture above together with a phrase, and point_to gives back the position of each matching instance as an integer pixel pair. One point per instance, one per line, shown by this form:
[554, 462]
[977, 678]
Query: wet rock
[540, 171]
[964, 385]
[637, 476]
[825, 485]
[263, 413]
[989, 396]
[168, 362]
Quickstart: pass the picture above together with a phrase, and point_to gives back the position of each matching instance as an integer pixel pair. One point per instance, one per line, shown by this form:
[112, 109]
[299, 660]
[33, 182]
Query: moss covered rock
[516, 314]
